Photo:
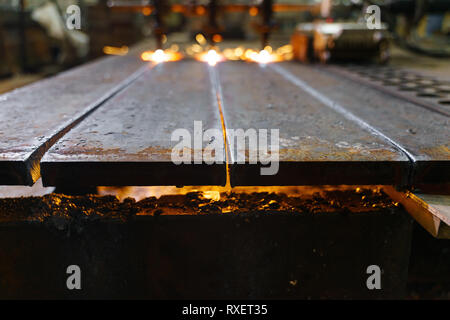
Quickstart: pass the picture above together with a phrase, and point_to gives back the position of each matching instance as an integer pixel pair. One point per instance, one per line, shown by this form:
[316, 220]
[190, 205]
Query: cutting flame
[159, 56]
[198, 51]
[211, 57]
[264, 56]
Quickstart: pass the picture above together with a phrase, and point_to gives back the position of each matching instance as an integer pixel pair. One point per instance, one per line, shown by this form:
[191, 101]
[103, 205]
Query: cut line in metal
[131, 139]
[317, 145]
[217, 92]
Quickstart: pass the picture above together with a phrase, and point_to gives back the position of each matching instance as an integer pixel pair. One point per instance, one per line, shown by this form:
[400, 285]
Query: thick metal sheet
[423, 134]
[34, 117]
[127, 141]
[317, 144]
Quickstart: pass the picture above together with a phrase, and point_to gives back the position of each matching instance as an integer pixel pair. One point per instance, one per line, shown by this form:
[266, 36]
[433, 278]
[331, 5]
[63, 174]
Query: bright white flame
[262, 57]
[159, 56]
[211, 57]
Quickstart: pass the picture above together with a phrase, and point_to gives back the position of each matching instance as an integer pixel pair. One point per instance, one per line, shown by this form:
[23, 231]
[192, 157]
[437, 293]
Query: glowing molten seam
[214, 192]
[159, 56]
[211, 57]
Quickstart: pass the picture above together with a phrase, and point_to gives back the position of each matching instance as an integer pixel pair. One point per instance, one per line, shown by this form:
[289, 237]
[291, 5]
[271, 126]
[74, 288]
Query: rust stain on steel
[332, 151]
[437, 151]
[317, 145]
[309, 153]
[32, 118]
[423, 133]
[84, 152]
[128, 139]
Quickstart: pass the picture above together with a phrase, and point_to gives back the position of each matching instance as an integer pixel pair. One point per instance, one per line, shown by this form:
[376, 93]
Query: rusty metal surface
[422, 134]
[317, 144]
[127, 141]
[332, 130]
[34, 117]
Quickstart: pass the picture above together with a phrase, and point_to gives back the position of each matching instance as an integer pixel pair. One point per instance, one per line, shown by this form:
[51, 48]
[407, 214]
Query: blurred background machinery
[34, 38]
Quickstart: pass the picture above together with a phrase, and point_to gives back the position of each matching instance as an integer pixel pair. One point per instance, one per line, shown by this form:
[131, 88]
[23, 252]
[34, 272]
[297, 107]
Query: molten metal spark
[263, 57]
[211, 57]
[118, 51]
[159, 56]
